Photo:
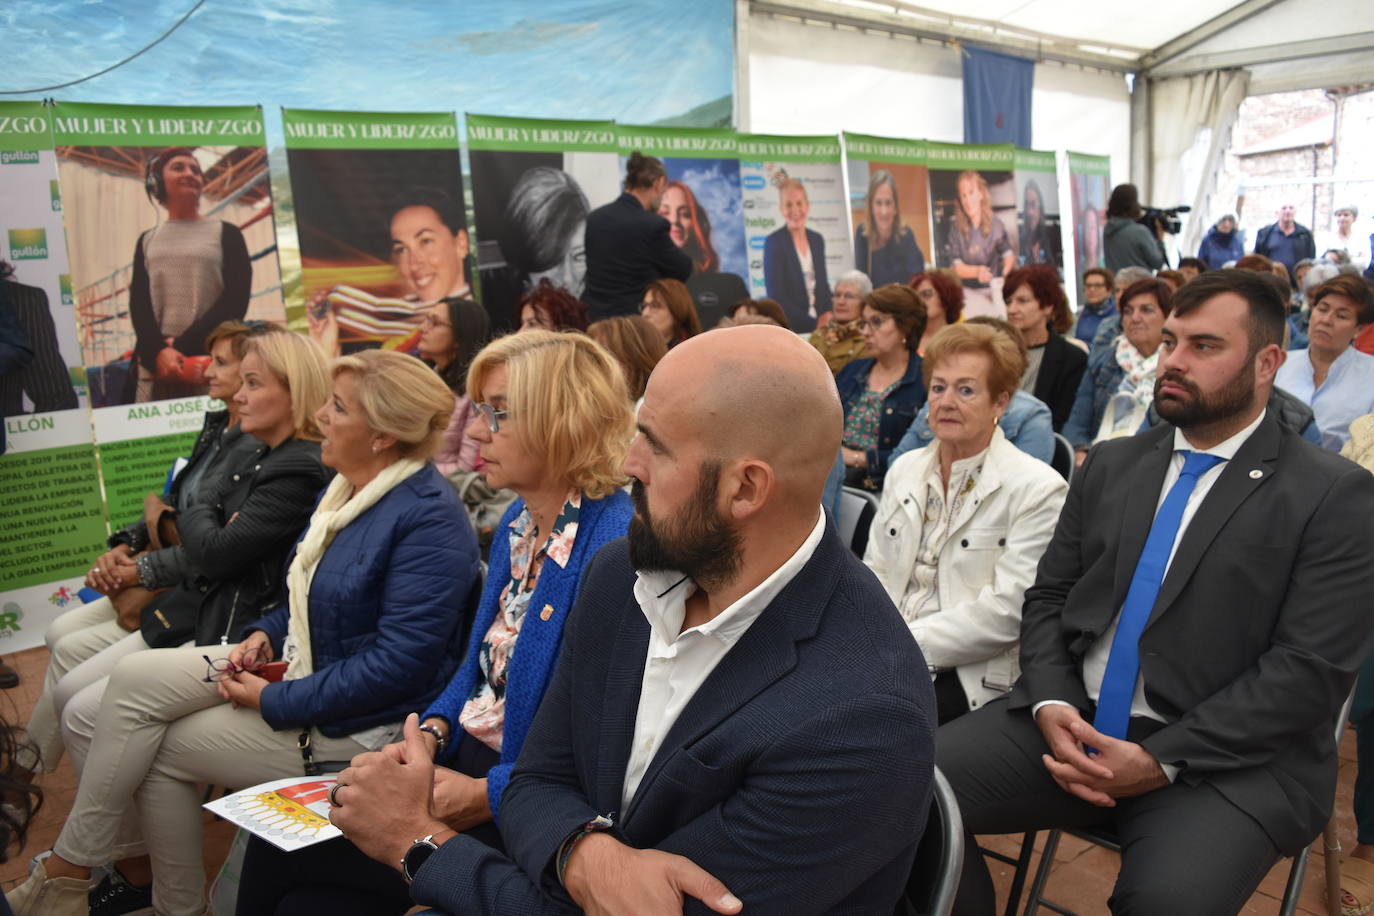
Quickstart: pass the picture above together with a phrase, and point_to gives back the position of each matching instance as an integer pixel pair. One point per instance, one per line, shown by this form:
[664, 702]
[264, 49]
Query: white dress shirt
[679, 661]
[1095, 661]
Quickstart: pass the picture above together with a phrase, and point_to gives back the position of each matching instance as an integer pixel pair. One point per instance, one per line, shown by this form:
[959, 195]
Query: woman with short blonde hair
[401, 397]
[570, 397]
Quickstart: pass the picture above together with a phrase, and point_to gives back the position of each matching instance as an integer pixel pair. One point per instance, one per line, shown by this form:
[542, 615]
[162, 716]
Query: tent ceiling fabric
[1287, 44]
[1140, 27]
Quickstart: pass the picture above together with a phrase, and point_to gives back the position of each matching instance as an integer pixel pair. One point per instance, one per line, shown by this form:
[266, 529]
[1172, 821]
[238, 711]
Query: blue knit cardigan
[599, 522]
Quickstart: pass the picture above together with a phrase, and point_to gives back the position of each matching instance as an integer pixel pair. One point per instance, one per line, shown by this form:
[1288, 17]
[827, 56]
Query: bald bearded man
[739, 718]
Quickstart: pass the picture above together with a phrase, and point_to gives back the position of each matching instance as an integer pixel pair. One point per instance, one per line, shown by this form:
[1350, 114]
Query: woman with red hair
[1039, 309]
[690, 229]
[943, 298]
[551, 308]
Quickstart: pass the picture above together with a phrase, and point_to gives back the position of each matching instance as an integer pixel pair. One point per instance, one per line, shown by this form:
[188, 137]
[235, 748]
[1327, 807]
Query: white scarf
[337, 509]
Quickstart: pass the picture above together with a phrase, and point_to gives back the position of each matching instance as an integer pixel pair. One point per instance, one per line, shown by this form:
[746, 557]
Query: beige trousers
[83, 644]
[162, 729]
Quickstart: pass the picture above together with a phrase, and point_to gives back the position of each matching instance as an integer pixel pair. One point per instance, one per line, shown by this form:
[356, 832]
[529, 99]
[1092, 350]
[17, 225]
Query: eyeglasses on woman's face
[434, 321]
[493, 417]
[876, 322]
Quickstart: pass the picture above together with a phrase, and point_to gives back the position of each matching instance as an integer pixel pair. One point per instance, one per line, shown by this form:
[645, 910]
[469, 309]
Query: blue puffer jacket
[1101, 380]
[599, 522]
[898, 409]
[388, 602]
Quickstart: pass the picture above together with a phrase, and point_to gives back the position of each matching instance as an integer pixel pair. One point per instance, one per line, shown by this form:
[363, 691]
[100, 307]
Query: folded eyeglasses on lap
[220, 669]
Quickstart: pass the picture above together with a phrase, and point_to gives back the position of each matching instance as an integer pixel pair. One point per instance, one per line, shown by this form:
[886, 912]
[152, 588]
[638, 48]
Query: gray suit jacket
[1260, 626]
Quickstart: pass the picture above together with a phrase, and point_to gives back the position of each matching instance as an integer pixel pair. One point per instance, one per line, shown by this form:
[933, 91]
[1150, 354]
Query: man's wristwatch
[416, 856]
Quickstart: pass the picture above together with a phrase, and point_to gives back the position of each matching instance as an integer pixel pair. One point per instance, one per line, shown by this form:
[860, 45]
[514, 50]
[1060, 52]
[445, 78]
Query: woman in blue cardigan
[554, 426]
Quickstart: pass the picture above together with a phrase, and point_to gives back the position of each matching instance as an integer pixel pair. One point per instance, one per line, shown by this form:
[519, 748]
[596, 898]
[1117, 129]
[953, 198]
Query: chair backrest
[1063, 457]
[857, 508]
[939, 857]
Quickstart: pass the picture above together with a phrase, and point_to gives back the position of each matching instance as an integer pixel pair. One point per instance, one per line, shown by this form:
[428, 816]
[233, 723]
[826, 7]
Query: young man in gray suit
[1196, 623]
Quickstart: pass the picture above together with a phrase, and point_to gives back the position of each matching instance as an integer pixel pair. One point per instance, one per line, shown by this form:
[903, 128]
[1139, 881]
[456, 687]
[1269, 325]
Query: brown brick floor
[1081, 879]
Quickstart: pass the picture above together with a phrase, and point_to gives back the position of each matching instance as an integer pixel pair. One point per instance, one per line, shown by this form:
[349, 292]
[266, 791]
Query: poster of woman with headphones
[167, 241]
[190, 273]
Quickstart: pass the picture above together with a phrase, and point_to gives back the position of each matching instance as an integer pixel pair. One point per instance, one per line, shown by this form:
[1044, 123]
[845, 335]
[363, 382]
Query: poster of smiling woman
[380, 218]
[973, 204]
[797, 219]
[703, 207]
[889, 201]
[51, 517]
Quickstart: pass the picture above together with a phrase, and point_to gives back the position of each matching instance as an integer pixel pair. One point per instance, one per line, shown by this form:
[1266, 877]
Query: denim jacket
[899, 407]
[1026, 424]
[1100, 382]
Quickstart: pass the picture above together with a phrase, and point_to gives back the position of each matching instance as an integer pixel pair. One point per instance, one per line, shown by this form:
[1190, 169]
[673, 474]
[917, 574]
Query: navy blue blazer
[782, 277]
[799, 774]
[627, 249]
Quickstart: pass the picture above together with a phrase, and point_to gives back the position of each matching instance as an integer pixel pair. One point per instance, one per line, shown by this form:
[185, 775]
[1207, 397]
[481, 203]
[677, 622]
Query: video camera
[1166, 218]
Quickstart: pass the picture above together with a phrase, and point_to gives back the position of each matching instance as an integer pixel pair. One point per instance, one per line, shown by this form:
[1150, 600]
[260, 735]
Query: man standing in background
[1286, 241]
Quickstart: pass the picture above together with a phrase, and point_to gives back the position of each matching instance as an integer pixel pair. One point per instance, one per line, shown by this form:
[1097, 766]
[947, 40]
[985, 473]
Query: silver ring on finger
[333, 798]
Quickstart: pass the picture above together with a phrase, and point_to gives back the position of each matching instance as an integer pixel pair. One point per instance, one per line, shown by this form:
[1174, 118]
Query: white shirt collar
[1225, 449]
[662, 596]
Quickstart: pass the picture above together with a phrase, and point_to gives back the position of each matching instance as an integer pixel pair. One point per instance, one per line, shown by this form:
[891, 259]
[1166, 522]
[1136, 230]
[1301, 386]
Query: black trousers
[1184, 849]
[336, 877]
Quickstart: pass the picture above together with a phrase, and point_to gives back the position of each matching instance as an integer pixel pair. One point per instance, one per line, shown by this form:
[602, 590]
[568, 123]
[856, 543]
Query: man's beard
[699, 544]
[1235, 397]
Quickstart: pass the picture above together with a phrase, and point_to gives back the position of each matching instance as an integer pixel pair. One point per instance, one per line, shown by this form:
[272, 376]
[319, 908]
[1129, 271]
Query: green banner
[1031, 160]
[884, 149]
[136, 467]
[489, 132]
[307, 129]
[678, 141]
[23, 131]
[1085, 164]
[824, 148]
[51, 519]
[960, 156]
[84, 124]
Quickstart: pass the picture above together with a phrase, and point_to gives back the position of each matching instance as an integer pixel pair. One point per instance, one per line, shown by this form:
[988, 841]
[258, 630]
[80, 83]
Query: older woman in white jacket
[963, 522]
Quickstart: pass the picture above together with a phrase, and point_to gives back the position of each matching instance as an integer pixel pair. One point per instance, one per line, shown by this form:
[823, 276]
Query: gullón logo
[56, 195]
[19, 157]
[64, 284]
[28, 244]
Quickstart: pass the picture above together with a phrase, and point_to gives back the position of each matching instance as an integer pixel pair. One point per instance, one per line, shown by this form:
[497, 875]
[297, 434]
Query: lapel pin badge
[547, 612]
[1256, 474]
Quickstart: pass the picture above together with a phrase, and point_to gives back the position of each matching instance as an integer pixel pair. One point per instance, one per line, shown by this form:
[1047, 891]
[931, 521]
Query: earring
[375, 448]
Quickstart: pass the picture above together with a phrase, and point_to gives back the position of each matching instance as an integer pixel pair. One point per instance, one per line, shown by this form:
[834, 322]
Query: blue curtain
[997, 98]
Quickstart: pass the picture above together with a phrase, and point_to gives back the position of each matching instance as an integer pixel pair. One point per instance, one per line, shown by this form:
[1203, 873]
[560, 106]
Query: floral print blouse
[484, 714]
[862, 419]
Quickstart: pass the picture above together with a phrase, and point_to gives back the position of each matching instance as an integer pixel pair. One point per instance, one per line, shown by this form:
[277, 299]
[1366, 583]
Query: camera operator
[1127, 242]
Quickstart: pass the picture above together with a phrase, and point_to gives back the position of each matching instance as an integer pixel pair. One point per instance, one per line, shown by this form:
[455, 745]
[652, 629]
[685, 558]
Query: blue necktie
[1123, 663]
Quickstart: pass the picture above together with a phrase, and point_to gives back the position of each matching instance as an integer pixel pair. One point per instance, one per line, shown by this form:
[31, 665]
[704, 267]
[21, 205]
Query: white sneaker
[44, 896]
